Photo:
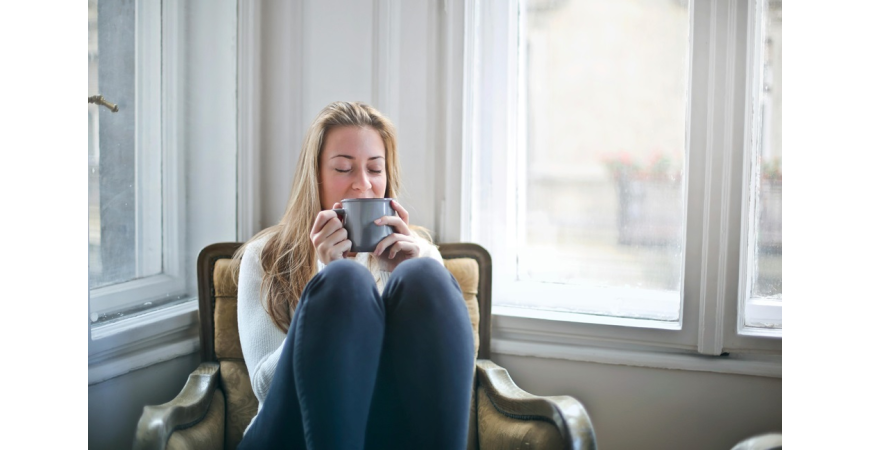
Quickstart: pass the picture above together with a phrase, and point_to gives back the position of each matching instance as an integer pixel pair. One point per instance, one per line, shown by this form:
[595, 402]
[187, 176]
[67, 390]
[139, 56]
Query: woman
[369, 350]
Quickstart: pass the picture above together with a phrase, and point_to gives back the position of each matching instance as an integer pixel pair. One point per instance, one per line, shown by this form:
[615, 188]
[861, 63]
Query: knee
[345, 282]
[346, 271]
[420, 269]
[424, 279]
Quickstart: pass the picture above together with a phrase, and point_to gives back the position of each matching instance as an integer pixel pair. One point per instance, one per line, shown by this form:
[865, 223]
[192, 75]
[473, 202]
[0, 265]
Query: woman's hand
[329, 237]
[399, 246]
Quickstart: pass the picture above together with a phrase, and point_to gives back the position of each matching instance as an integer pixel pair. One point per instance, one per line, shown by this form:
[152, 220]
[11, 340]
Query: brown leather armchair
[217, 403]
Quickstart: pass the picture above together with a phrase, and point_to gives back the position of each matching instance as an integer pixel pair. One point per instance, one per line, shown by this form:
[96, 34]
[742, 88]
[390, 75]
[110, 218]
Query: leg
[326, 373]
[423, 393]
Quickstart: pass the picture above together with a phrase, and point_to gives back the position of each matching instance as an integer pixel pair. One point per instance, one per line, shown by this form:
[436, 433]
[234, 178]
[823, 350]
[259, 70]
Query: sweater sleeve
[429, 250]
[261, 339]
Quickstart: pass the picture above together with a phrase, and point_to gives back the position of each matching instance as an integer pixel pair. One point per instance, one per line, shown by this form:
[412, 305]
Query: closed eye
[342, 171]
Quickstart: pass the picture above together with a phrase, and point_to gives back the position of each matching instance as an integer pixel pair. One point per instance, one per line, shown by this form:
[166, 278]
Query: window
[162, 172]
[606, 147]
[132, 242]
[763, 254]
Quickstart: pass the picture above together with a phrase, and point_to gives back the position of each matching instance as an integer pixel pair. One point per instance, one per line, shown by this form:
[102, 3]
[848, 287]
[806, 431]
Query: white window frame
[760, 309]
[157, 242]
[170, 329]
[719, 111]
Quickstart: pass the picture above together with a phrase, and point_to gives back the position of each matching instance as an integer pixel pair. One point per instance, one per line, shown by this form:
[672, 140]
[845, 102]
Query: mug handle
[342, 215]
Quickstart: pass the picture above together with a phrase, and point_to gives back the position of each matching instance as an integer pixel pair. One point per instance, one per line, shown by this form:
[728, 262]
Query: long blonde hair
[288, 257]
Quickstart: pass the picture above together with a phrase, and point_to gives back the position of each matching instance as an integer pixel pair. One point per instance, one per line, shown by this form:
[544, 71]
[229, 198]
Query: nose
[361, 182]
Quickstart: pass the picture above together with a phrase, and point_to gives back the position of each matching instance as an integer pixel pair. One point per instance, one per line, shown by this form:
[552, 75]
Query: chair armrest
[566, 413]
[186, 409]
[767, 441]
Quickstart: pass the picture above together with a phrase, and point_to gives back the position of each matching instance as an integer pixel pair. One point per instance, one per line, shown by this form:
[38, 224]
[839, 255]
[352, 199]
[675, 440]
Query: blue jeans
[360, 370]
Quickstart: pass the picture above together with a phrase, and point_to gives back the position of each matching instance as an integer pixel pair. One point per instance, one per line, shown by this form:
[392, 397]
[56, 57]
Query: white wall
[375, 51]
[657, 409]
[115, 405]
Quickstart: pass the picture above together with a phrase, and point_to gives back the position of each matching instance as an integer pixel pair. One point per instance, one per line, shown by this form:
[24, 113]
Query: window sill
[560, 316]
[543, 334]
[155, 336]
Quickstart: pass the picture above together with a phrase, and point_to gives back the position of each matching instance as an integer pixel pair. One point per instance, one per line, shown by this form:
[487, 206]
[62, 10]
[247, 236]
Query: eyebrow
[351, 157]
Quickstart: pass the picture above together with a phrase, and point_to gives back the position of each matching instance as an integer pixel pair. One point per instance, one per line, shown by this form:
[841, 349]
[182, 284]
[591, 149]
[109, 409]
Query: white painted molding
[728, 86]
[762, 309]
[154, 336]
[141, 358]
[721, 221]
[707, 311]
[469, 69]
[770, 366]
[153, 320]
[527, 325]
[174, 141]
[130, 294]
[750, 134]
[386, 35]
[148, 141]
[249, 128]
[729, 221]
[455, 41]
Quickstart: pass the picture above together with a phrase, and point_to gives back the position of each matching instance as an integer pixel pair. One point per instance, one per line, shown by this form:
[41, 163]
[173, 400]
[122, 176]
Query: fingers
[329, 228]
[396, 222]
[334, 238]
[339, 250]
[385, 242]
[329, 237]
[390, 240]
[334, 247]
[403, 213]
[410, 248]
[322, 218]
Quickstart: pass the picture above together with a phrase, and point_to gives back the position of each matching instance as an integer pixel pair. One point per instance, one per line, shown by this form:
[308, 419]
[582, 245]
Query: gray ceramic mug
[358, 217]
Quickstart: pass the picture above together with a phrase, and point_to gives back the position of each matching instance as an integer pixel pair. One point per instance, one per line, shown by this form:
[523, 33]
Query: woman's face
[352, 165]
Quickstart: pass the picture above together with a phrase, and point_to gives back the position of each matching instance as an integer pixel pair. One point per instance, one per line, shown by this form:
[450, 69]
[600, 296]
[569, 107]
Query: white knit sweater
[261, 339]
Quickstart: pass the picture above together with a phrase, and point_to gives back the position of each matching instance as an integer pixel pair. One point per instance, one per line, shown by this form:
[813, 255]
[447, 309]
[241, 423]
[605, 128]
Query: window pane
[154, 166]
[607, 87]
[114, 224]
[766, 272]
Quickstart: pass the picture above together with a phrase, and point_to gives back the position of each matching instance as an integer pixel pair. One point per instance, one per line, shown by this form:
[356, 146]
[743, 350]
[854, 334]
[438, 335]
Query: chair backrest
[460, 259]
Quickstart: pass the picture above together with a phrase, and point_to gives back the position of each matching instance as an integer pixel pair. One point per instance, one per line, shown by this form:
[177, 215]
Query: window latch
[98, 99]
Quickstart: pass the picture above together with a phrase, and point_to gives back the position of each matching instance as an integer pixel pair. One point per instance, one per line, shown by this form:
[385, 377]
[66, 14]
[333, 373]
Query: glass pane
[112, 193]
[607, 89]
[766, 273]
